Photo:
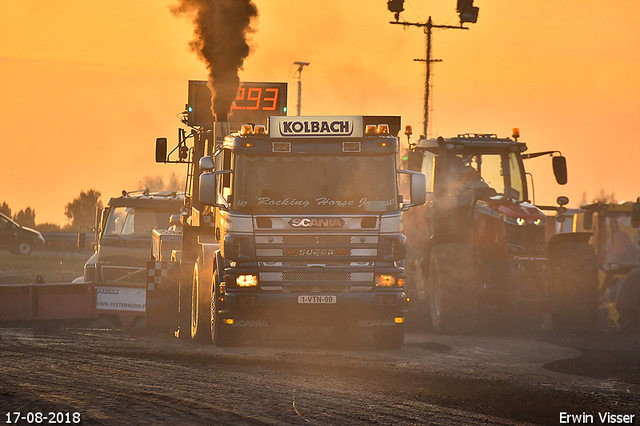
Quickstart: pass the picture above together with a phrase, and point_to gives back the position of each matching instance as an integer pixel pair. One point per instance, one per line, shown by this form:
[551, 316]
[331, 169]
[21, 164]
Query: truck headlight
[247, 280]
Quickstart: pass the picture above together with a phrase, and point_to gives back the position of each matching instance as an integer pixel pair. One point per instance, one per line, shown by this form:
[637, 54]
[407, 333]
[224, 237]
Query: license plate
[317, 299]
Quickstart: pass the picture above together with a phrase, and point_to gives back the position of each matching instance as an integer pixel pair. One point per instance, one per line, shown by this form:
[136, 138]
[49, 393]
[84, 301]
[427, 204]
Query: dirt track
[117, 377]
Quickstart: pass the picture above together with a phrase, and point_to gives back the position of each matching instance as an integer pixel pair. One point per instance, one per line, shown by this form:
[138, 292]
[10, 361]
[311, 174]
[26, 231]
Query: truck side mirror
[82, 241]
[103, 223]
[206, 164]
[207, 191]
[418, 189]
[161, 150]
[560, 169]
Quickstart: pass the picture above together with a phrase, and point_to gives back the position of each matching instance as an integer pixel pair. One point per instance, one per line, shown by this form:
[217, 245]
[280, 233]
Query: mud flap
[162, 295]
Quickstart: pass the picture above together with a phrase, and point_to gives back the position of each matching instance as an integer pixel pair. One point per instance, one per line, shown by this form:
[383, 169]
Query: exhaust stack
[220, 130]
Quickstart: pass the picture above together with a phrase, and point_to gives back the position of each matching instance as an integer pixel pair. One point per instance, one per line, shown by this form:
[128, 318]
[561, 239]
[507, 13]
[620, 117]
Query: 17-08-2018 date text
[45, 418]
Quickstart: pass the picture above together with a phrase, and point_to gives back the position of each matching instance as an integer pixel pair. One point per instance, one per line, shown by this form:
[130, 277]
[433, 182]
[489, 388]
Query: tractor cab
[616, 238]
[484, 175]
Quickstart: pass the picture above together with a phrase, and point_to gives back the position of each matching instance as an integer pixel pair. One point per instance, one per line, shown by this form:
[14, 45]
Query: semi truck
[297, 223]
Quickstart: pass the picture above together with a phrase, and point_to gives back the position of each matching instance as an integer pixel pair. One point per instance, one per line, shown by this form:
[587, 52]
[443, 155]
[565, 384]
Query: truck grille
[358, 247]
[528, 238]
[316, 288]
[306, 252]
[315, 276]
[316, 239]
[287, 264]
[362, 277]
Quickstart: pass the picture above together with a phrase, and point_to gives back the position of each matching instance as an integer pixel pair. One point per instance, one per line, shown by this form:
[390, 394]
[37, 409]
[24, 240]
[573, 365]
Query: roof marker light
[370, 129]
[246, 129]
[383, 129]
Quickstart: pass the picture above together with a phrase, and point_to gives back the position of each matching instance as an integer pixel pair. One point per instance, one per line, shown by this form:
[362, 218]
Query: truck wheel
[221, 334]
[200, 303]
[453, 288]
[388, 338]
[574, 285]
[184, 309]
[23, 248]
[628, 303]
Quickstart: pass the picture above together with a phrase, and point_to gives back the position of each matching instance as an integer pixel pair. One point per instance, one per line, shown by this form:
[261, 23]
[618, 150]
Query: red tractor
[486, 256]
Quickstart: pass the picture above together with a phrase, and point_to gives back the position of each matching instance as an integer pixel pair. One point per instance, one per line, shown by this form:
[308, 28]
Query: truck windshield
[315, 183]
[131, 221]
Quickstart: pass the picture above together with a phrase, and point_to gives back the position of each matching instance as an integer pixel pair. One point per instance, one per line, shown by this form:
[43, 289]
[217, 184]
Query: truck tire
[201, 302]
[388, 338]
[185, 289]
[23, 248]
[573, 286]
[453, 288]
[221, 334]
[628, 303]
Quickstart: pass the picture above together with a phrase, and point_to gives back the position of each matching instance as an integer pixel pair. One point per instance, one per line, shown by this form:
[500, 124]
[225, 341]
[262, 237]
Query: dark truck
[297, 225]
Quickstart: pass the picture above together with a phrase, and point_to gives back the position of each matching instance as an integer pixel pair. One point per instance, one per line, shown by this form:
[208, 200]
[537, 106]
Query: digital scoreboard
[255, 102]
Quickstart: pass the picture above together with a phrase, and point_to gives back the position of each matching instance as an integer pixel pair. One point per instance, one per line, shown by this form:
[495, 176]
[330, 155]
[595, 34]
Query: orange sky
[86, 87]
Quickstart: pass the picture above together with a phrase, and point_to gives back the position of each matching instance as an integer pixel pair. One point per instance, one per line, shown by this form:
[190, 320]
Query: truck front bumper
[262, 309]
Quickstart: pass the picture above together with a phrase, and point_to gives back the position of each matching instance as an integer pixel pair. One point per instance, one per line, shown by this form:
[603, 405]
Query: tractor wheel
[628, 303]
[453, 288]
[201, 302]
[573, 286]
[388, 338]
[221, 333]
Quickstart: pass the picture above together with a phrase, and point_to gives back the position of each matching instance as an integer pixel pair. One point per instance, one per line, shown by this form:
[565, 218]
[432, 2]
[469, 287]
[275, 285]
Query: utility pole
[467, 12]
[428, 27]
[299, 71]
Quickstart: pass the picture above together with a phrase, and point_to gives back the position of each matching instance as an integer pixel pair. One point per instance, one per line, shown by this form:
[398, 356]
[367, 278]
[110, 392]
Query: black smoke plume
[221, 28]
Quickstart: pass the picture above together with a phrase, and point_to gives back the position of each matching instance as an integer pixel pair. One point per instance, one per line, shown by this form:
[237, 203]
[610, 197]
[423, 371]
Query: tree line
[82, 210]
[79, 212]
